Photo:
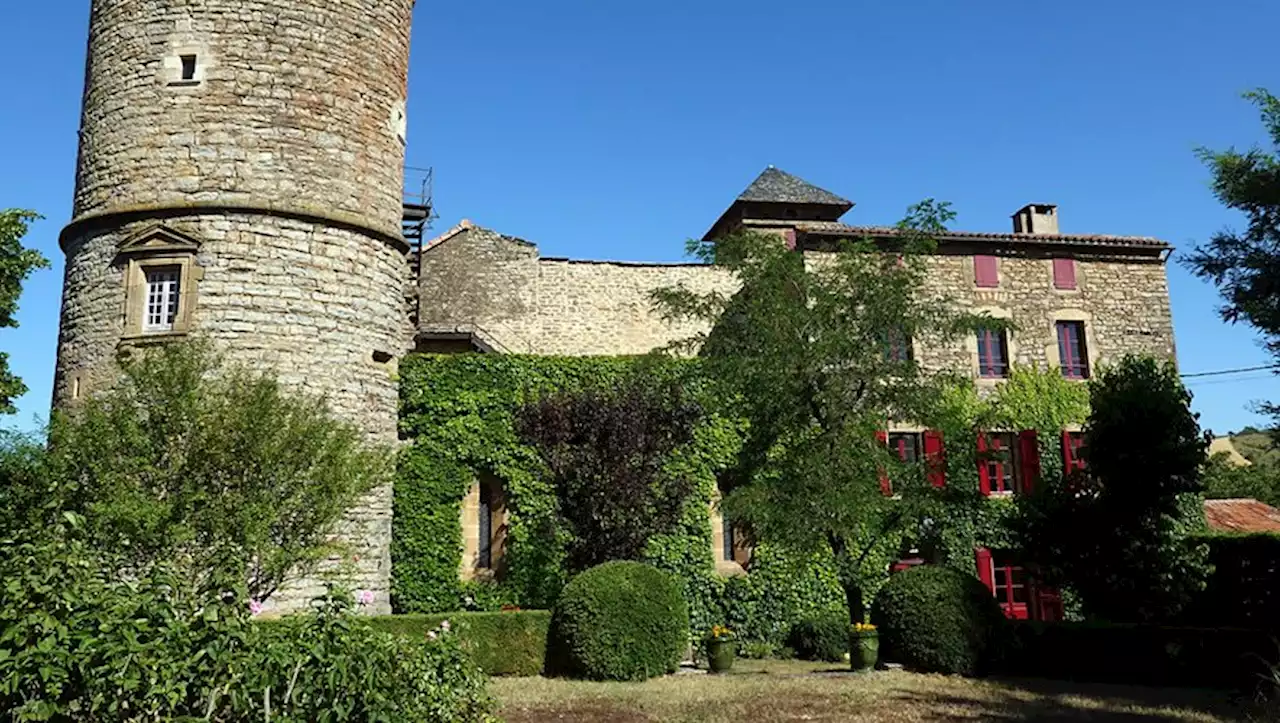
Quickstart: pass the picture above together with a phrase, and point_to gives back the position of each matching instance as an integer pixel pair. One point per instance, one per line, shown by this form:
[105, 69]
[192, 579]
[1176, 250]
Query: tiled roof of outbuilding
[1241, 515]
[835, 228]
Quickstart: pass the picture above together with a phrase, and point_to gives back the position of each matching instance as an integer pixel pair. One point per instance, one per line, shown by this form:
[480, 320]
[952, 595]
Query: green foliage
[1224, 480]
[1245, 265]
[620, 621]
[1244, 589]
[934, 619]
[799, 353]
[188, 461]
[606, 449]
[1257, 446]
[16, 264]
[81, 642]
[502, 643]
[1120, 535]
[823, 637]
[781, 589]
[460, 411]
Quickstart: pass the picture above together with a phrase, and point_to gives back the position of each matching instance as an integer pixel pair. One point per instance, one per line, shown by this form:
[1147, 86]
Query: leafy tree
[1119, 533]
[208, 466]
[16, 264]
[1245, 265]
[606, 449]
[803, 349]
[1224, 480]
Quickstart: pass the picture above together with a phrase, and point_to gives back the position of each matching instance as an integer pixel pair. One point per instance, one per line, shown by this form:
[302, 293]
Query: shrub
[1142, 654]
[1244, 589]
[502, 643]
[822, 637]
[620, 621]
[934, 619]
[80, 643]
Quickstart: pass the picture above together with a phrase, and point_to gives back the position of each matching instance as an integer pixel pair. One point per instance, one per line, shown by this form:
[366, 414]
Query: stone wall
[499, 286]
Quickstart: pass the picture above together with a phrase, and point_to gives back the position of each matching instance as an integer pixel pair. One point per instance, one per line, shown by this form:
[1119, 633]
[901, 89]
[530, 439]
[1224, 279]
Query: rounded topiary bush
[824, 636]
[934, 619]
[619, 621]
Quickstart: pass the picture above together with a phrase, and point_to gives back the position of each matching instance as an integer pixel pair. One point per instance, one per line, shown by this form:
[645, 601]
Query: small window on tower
[162, 298]
[188, 67]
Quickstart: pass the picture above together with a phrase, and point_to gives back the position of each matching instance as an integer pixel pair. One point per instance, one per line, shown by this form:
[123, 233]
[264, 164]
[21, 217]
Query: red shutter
[885, 485]
[984, 474]
[984, 271]
[1068, 454]
[1064, 273]
[983, 557]
[791, 239]
[1029, 457]
[933, 454]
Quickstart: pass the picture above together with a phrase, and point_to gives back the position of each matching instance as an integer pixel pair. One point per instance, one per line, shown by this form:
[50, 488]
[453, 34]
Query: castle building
[240, 176]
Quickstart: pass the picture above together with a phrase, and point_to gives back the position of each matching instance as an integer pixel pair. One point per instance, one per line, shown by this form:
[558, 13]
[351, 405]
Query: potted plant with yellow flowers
[722, 648]
[864, 646]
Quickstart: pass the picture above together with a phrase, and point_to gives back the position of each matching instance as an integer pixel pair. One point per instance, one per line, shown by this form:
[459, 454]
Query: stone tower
[241, 177]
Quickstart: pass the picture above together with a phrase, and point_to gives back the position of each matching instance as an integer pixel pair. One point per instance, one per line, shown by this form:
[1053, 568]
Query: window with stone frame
[993, 354]
[160, 278]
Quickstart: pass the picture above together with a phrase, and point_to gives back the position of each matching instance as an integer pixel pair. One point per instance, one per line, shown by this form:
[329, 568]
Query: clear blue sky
[618, 130]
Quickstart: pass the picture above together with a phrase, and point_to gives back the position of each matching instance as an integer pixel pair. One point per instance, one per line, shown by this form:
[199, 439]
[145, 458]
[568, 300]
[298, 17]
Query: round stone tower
[241, 178]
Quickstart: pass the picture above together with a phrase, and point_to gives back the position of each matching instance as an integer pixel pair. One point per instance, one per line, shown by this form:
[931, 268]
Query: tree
[16, 264]
[606, 448]
[1119, 533]
[1245, 266]
[190, 461]
[804, 351]
[1224, 480]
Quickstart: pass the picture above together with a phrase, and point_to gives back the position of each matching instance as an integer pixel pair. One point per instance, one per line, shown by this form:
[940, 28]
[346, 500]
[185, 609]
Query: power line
[1231, 371]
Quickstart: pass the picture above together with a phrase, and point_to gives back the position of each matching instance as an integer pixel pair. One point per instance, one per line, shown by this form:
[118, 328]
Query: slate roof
[1241, 515]
[835, 228]
[775, 185]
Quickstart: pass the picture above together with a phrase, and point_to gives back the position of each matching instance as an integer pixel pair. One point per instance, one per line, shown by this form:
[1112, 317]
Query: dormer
[777, 198]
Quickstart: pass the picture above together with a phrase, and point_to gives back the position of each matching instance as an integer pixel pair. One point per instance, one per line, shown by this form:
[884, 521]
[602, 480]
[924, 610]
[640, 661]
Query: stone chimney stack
[1038, 218]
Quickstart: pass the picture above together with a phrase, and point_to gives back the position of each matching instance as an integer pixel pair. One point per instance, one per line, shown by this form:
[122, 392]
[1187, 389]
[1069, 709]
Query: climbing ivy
[457, 412]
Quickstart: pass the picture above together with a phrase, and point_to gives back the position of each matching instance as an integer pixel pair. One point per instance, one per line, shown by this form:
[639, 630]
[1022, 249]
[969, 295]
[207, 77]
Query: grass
[770, 691]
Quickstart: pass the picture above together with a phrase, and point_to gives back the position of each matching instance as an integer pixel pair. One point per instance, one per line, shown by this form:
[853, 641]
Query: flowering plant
[721, 632]
[864, 628]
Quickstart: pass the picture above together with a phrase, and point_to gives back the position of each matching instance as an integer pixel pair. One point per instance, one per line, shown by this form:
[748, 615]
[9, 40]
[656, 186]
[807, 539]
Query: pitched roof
[1241, 515]
[835, 228]
[775, 185]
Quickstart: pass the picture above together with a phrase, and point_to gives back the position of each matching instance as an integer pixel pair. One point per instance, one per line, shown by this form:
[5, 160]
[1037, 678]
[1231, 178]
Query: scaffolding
[419, 209]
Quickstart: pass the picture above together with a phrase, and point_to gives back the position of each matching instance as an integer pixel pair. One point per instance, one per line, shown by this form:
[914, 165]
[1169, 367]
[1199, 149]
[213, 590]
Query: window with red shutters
[985, 272]
[1064, 273]
[1010, 585]
[1028, 461]
[993, 354]
[997, 463]
[1072, 444]
[934, 456]
[1073, 355]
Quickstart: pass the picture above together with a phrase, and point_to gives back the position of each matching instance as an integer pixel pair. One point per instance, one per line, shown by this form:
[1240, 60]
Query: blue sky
[612, 130]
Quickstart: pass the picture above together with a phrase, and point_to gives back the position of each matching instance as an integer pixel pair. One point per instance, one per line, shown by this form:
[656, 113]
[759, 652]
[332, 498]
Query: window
[484, 559]
[1064, 274]
[188, 67]
[1072, 444]
[998, 474]
[727, 553]
[162, 298]
[897, 346]
[1073, 355]
[905, 446]
[993, 354]
[1009, 584]
[985, 272]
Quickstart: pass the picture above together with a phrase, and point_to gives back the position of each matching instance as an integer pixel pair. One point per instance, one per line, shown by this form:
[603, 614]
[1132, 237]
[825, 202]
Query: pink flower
[431, 635]
[255, 607]
[365, 597]
[444, 626]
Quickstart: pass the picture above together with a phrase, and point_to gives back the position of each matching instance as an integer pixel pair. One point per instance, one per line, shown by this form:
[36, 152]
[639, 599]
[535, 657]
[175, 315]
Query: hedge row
[1230, 658]
[502, 643]
[1244, 589]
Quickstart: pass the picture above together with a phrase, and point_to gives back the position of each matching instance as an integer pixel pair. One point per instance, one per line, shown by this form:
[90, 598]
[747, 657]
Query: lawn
[768, 691]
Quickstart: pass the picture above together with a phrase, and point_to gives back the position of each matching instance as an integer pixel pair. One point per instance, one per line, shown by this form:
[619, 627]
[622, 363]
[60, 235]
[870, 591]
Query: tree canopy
[812, 351]
[16, 264]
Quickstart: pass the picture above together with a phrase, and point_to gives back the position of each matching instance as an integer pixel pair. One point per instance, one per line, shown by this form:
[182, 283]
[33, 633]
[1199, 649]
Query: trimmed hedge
[821, 637]
[936, 620]
[503, 643]
[1141, 654]
[620, 621]
[1244, 589]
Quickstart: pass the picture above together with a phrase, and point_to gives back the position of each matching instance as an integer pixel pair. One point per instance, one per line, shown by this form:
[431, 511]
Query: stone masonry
[267, 137]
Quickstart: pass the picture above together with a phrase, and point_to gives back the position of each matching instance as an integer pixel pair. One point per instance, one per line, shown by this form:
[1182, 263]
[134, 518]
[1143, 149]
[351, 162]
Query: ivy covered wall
[457, 412]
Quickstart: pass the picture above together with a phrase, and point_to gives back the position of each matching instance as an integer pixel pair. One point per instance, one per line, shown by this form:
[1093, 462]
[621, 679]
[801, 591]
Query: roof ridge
[775, 185]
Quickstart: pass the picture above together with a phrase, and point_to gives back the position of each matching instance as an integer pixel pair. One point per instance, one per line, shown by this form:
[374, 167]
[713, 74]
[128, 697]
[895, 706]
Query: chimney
[1038, 218]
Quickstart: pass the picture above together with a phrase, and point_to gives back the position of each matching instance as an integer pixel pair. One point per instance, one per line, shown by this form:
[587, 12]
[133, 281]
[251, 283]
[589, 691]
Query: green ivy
[457, 410]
